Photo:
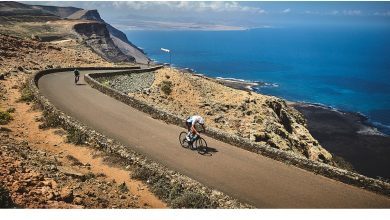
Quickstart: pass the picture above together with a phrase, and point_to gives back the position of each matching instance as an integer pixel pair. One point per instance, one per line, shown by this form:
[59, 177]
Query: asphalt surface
[249, 177]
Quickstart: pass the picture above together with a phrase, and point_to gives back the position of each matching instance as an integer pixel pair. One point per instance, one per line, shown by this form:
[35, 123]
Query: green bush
[192, 200]
[166, 87]
[105, 83]
[174, 193]
[26, 95]
[123, 188]
[11, 110]
[49, 121]
[5, 117]
[76, 137]
[89, 175]
[142, 173]
[5, 199]
[161, 188]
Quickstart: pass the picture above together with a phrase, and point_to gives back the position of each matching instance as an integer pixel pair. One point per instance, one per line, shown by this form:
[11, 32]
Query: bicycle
[76, 76]
[76, 79]
[198, 144]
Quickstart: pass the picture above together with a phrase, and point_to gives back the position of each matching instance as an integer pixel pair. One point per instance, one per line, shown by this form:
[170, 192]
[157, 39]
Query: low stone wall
[283, 156]
[110, 74]
[157, 171]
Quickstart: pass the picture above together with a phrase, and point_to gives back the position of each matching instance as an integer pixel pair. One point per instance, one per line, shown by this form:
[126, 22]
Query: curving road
[251, 178]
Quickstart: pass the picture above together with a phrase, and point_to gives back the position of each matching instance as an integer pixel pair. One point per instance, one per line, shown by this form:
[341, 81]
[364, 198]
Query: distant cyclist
[192, 132]
[76, 76]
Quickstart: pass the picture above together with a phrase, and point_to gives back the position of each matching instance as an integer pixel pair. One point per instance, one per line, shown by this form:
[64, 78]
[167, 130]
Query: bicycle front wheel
[182, 139]
[201, 145]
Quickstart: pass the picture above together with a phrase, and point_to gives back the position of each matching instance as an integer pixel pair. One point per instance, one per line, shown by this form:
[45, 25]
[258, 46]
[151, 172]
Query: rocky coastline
[350, 136]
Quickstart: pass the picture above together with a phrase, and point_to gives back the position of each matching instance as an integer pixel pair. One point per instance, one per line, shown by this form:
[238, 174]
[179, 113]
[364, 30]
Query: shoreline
[349, 136]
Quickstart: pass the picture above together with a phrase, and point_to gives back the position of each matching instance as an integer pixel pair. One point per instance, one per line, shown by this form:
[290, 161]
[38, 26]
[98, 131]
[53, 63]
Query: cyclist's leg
[188, 124]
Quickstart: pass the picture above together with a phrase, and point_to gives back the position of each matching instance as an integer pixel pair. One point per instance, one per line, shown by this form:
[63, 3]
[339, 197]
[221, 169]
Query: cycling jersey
[195, 119]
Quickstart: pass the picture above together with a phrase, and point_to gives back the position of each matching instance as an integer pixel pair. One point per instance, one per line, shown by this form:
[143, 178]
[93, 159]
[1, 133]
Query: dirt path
[249, 177]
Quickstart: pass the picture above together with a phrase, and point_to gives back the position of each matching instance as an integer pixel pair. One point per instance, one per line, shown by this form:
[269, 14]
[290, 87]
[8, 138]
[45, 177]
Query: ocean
[344, 68]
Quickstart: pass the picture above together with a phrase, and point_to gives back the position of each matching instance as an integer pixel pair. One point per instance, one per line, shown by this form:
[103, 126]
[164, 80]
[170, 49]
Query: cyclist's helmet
[201, 121]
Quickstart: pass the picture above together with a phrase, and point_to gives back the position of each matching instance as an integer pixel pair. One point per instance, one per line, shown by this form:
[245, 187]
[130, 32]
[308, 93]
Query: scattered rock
[66, 195]
[78, 200]
[70, 172]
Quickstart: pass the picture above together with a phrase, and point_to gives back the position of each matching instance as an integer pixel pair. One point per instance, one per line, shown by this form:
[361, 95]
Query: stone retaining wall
[283, 156]
[157, 171]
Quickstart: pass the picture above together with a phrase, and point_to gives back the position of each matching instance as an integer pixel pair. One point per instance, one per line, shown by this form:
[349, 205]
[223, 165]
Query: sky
[129, 14]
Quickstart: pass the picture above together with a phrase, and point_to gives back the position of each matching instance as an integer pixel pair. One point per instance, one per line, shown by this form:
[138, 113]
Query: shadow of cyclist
[207, 151]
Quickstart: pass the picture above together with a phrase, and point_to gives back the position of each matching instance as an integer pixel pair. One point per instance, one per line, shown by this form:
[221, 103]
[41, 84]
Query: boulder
[66, 195]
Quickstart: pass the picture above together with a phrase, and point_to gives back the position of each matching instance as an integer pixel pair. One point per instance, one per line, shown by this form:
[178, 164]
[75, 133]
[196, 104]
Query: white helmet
[201, 121]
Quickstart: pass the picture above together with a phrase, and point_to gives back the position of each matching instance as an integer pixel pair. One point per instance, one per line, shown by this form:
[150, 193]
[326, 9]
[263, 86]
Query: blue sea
[344, 68]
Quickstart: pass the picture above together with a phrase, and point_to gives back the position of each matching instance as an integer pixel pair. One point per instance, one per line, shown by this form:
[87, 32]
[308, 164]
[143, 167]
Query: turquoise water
[344, 68]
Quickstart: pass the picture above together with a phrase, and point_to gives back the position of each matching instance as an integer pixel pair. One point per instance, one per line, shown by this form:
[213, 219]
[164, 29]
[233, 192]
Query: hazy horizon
[233, 15]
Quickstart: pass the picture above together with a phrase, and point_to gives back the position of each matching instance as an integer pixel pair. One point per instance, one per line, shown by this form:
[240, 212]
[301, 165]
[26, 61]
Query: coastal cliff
[49, 23]
[96, 36]
[117, 37]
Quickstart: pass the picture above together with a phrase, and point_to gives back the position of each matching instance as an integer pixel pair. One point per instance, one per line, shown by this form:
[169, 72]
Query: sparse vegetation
[142, 173]
[342, 163]
[161, 188]
[123, 188]
[74, 161]
[174, 193]
[89, 175]
[11, 110]
[49, 121]
[76, 137]
[5, 117]
[192, 200]
[5, 199]
[105, 83]
[26, 94]
[166, 87]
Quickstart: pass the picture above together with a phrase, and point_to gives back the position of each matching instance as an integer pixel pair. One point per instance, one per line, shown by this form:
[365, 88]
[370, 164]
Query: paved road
[252, 178]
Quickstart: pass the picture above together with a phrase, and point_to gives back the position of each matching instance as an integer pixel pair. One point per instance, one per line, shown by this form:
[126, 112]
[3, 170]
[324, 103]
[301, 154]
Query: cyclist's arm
[194, 130]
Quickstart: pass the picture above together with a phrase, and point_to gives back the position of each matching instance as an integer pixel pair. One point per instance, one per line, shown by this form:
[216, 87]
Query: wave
[233, 79]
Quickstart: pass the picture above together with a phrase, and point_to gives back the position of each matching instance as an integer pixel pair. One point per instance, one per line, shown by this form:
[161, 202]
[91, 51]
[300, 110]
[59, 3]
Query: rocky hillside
[14, 11]
[259, 118]
[87, 26]
[39, 167]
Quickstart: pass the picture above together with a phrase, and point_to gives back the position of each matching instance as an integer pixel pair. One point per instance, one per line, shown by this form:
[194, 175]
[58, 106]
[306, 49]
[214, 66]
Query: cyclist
[76, 76]
[190, 122]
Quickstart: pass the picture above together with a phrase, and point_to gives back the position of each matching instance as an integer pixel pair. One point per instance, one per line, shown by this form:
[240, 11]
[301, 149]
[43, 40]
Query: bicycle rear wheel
[182, 139]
